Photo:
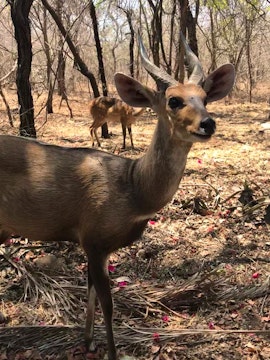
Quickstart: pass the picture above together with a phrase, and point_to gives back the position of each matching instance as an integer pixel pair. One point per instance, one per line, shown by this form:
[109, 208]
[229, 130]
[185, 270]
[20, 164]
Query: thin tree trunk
[49, 103]
[180, 70]
[169, 67]
[104, 128]
[155, 30]
[7, 106]
[128, 13]
[248, 53]
[191, 27]
[61, 67]
[2, 94]
[213, 46]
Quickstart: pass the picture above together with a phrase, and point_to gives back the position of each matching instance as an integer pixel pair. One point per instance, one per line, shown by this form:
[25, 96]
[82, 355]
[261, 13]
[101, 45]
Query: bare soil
[207, 251]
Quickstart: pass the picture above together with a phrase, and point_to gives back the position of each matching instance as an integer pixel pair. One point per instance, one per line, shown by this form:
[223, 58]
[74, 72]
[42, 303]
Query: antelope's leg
[124, 130]
[90, 315]
[130, 135]
[96, 135]
[99, 275]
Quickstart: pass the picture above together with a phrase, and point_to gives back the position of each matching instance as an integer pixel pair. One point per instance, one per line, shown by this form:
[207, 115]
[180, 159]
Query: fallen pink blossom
[165, 318]
[211, 325]
[122, 284]
[256, 275]
[111, 268]
[156, 336]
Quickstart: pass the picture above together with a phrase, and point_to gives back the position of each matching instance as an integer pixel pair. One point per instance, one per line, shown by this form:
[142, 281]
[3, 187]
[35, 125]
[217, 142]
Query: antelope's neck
[158, 173]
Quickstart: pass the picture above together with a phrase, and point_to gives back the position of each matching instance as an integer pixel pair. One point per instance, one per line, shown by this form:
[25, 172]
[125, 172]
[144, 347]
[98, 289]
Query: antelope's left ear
[219, 83]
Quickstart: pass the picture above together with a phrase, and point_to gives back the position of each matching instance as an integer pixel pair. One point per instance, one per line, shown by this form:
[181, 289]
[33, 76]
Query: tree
[93, 15]
[20, 17]
[129, 14]
[40, 22]
[61, 66]
[80, 64]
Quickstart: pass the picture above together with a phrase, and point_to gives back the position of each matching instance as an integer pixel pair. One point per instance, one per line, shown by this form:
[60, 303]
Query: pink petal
[156, 336]
[165, 318]
[111, 268]
[256, 275]
[199, 161]
[122, 284]
[211, 325]
[151, 222]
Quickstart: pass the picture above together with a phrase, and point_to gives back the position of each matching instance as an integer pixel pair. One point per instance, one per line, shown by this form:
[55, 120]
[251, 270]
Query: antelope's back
[50, 192]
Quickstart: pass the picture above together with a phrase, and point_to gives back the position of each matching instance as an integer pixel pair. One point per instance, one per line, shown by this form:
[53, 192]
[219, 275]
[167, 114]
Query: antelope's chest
[124, 236]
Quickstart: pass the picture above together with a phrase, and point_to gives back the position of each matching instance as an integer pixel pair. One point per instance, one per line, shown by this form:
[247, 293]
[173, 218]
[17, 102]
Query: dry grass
[197, 283]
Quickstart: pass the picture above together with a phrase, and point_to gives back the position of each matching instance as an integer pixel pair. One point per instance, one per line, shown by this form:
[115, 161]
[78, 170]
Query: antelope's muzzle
[208, 125]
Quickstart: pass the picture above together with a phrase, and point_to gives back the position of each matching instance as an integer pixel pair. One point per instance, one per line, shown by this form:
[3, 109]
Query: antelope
[105, 108]
[102, 201]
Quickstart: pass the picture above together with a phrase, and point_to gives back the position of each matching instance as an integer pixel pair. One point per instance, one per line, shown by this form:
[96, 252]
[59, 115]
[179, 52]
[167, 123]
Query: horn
[193, 63]
[162, 79]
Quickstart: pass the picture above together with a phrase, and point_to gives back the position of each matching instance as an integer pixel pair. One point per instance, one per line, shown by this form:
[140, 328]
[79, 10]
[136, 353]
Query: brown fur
[105, 108]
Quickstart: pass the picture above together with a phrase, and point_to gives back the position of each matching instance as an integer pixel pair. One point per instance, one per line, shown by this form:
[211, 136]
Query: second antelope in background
[105, 108]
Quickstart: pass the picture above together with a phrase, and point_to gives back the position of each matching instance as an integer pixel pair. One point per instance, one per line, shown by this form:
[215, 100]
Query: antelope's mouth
[201, 134]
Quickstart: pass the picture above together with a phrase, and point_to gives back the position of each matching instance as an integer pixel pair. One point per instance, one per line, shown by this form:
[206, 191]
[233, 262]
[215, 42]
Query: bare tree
[80, 64]
[40, 21]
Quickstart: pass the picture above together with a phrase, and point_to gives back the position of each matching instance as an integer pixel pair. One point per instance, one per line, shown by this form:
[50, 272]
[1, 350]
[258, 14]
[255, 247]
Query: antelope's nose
[208, 125]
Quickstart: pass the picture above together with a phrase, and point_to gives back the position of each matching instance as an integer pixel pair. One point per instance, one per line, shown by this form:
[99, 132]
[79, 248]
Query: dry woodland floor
[197, 286]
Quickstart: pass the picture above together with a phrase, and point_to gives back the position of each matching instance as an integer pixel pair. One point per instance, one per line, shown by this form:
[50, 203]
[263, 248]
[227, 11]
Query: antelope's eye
[175, 102]
[205, 102]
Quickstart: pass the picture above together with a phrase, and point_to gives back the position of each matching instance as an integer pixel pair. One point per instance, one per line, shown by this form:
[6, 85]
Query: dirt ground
[195, 287]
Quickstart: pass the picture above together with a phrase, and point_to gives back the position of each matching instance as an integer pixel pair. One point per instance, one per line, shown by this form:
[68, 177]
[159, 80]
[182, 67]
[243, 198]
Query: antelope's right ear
[133, 92]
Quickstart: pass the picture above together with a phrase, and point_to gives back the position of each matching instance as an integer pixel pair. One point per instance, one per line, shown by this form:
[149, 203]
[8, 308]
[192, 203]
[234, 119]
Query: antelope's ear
[133, 92]
[219, 83]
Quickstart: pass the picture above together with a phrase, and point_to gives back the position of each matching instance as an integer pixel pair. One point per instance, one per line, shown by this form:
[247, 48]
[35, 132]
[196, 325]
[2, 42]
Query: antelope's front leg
[90, 315]
[100, 278]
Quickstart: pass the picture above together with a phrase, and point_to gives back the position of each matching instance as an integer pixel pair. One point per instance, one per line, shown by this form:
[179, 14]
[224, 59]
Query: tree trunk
[191, 27]
[61, 65]
[49, 103]
[213, 43]
[19, 14]
[248, 53]
[104, 128]
[169, 66]
[129, 13]
[156, 31]
[7, 106]
[180, 71]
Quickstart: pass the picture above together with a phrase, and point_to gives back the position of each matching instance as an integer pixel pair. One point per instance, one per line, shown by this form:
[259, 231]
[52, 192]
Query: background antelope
[105, 108]
[102, 201]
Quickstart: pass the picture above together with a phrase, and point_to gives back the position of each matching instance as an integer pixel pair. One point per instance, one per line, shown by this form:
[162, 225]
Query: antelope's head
[183, 106]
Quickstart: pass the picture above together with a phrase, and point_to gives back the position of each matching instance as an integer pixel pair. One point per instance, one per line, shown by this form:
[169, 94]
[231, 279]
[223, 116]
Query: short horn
[193, 63]
[162, 79]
